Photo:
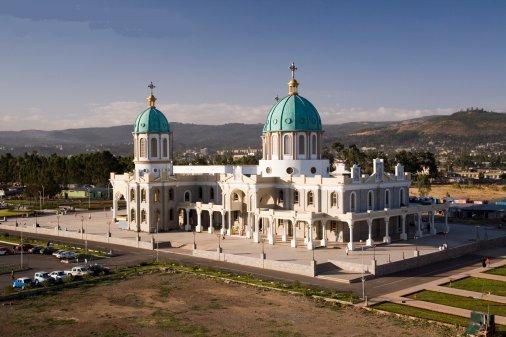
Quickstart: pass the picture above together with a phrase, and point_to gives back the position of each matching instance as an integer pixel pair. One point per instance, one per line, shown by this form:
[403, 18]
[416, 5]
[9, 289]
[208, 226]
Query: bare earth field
[188, 305]
[473, 192]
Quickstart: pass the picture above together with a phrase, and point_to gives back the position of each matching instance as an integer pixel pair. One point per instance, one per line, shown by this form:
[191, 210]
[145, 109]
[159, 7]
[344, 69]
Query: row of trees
[52, 172]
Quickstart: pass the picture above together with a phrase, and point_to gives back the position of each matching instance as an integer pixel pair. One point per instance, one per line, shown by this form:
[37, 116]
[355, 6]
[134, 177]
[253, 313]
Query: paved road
[374, 287]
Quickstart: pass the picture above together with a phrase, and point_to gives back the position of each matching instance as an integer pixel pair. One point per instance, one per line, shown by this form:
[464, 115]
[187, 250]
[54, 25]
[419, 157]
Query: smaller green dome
[293, 113]
[151, 120]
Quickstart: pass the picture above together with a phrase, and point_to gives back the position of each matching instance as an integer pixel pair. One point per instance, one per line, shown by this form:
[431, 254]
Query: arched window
[309, 198]
[132, 194]
[287, 144]
[143, 216]
[156, 195]
[171, 214]
[281, 196]
[132, 215]
[295, 197]
[187, 196]
[370, 200]
[387, 198]
[165, 147]
[211, 193]
[353, 202]
[143, 195]
[200, 193]
[402, 198]
[142, 147]
[274, 145]
[313, 144]
[333, 199]
[171, 194]
[235, 197]
[154, 147]
[302, 144]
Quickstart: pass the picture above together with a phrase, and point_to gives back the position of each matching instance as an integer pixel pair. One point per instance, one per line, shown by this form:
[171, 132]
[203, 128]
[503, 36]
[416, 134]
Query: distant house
[474, 210]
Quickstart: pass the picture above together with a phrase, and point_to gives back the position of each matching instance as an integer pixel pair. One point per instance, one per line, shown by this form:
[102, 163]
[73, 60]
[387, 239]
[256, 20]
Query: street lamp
[363, 276]
[157, 239]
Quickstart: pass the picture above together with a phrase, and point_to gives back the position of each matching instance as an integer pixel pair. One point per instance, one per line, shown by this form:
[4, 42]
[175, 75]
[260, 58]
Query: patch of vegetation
[285, 333]
[480, 285]
[11, 213]
[128, 300]
[460, 302]
[501, 271]
[52, 321]
[163, 320]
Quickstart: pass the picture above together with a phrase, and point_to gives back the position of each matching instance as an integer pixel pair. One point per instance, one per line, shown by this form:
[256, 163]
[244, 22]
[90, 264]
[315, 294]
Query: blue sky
[87, 63]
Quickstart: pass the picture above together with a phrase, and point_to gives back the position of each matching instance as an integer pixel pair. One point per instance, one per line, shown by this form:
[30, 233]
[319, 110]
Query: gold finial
[293, 84]
[151, 98]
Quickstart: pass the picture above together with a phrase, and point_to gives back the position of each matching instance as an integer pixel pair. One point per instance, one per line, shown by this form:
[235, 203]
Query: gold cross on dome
[292, 69]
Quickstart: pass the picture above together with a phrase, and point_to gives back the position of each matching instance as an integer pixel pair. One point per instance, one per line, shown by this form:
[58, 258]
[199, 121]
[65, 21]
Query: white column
[199, 221]
[248, 226]
[229, 229]
[447, 227]
[115, 207]
[271, 232]
[310, 244]
[419, 225]
[187, 227]
[386, 238]
[351, 245]
[369, 242]
[285, 231]
[404, 235]
[433, 230]
[323, 241]
[210, 230]
[293, 242]
[222, 230]
[256, 234]
[340, 233]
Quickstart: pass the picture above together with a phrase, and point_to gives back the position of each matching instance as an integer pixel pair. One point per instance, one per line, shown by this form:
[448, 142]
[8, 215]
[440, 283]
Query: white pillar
[323, 241]
[404, 235]
[369, 241]
[351, 245]
[222, 230]
[285, 231]
[340, 233]
[256, 234]
[229, 229]
[187, 227]
[310, 245]
[293, 242]
[210, 230]
[419, 225]
[271, 232]
[115, 208]
[433, 230]
[386, 238]
[199, 221]
[248, 225]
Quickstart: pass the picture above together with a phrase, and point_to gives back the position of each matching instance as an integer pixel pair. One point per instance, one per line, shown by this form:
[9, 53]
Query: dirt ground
[473, 192]
[187, 305]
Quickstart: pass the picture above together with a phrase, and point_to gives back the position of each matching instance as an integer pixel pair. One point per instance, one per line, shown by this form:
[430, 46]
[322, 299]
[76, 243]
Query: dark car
[6, 251]
[25, 247]
[47, 250]
[35, 250]
[98, 269]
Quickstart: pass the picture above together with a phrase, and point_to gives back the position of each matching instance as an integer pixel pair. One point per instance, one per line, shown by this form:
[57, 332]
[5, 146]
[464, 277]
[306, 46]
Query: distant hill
[462, 128]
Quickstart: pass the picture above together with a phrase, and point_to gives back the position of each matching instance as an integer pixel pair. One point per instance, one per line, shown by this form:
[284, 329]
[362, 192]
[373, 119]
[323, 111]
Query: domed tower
[152, 141]
[292, 137]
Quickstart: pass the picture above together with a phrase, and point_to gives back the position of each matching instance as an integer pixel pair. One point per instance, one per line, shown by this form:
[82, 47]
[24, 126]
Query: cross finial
[293, 68]
[276, 98]
[151, 86]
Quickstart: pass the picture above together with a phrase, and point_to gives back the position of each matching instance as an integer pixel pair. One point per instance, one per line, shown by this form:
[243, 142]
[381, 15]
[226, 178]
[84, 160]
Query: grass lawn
[427, 314]
[497, 271]
[10, 212]
[460, 302]
[480, 285]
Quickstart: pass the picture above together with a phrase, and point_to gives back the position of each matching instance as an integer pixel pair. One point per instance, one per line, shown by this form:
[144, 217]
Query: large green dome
[151, 120]
[293, 113]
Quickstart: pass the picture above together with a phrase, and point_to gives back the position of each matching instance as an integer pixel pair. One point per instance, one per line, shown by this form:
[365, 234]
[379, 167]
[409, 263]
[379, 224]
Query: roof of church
[151, 120]
[293, 113]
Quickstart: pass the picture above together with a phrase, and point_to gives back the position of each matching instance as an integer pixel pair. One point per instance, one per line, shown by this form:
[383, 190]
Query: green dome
[293, 113]
[151, 120]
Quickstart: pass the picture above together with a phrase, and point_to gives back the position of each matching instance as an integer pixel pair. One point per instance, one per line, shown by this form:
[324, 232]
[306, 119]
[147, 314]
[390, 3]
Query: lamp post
[157, 239]
[194, 239]
[363, 276]
[58, 224]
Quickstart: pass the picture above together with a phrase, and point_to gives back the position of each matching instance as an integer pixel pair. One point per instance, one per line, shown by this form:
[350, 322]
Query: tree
[423, 184]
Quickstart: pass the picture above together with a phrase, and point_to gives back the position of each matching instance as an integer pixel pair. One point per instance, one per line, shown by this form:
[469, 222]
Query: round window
[268, 170]
[156, 170]
[313, 170]
[289, 170]
[288, 121]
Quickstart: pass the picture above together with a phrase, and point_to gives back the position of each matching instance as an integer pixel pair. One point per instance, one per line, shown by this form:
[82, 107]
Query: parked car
[58, 252]
[35, 250]
[22, 282]
[6, 251]
[23, 247]
[40, 277]
[57, 275]
[98, 269]
[78, 271]
[68, 256]
[47, 250]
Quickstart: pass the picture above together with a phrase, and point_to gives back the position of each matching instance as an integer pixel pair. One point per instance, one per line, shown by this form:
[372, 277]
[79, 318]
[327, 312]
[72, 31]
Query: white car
[57, 275]
[58, 253]
[78, 271]
[40, 277]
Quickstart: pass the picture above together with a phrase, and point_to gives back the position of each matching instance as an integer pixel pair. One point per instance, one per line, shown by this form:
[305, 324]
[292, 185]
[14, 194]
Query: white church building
[291, 196]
